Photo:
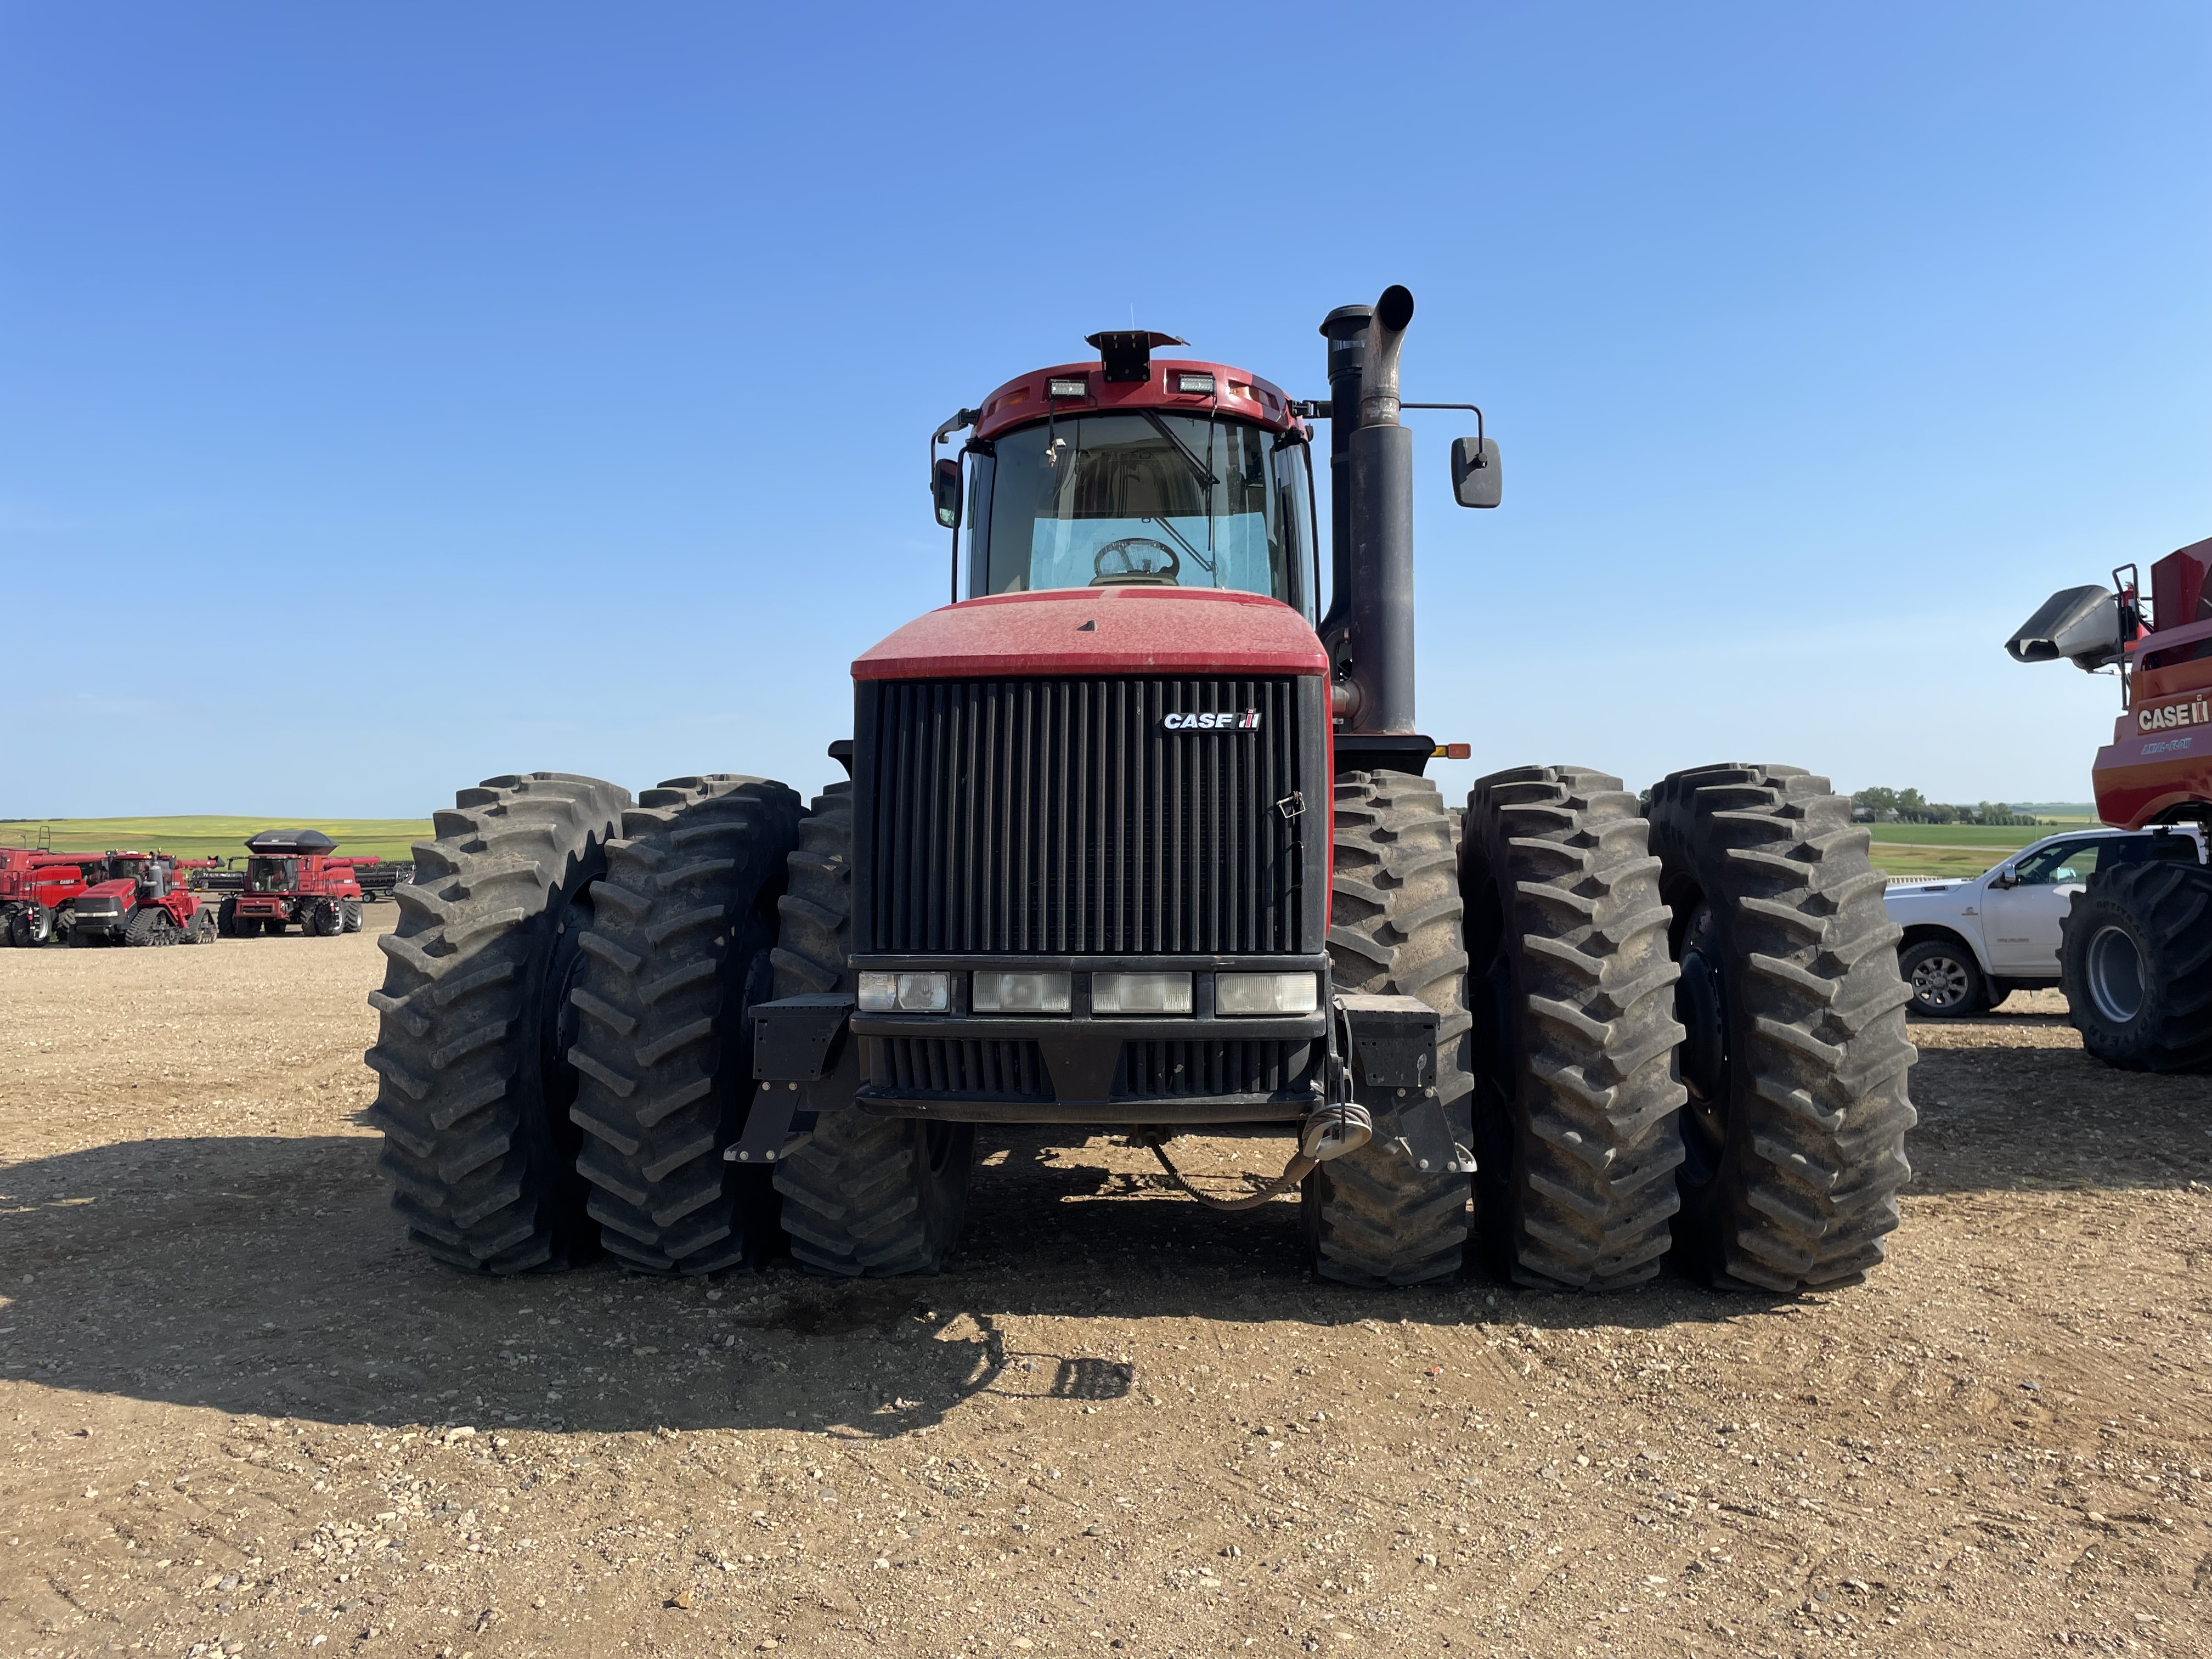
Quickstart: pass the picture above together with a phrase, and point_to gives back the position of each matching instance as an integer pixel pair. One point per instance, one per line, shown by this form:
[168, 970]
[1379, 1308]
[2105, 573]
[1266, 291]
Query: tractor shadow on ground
[268, 1275]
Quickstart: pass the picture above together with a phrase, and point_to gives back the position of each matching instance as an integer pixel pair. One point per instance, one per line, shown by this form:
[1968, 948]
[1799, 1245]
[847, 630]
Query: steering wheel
[1119, 551]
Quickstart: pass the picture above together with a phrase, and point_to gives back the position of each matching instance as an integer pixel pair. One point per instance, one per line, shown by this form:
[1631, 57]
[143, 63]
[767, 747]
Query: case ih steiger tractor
[1137, 837]
[291, 876]
[139, 899]
[2137, 957]
[38, 894]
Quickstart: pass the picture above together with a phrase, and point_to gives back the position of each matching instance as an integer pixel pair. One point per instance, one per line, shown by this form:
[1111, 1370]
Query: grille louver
[1058, 816]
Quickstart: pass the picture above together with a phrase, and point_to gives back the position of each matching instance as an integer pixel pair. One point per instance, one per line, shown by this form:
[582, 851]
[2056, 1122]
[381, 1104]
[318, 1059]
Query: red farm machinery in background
[38, 894]
[293, 876]
[1138, 839]
[2137, 959]
[140, 898]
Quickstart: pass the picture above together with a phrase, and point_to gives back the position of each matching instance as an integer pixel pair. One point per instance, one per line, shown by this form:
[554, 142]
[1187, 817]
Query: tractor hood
[1102, 631]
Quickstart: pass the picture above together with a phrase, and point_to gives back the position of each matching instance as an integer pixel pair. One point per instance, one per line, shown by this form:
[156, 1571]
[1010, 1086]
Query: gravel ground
[241, 1416]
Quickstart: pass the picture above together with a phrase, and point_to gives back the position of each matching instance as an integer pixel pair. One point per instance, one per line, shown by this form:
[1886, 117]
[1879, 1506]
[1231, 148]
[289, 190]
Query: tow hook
[1332, 1131]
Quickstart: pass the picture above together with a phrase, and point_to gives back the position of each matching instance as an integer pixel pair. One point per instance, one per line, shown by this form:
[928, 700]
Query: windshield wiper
[1183, 542]
[1204, 476]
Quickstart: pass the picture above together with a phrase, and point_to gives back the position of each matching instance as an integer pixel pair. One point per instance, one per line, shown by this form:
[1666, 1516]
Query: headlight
[1140, 994]
[1022, 994]
[905, 994]
[1266, 993]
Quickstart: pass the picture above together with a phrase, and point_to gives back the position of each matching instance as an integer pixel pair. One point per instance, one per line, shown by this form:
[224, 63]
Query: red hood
[1130, 630]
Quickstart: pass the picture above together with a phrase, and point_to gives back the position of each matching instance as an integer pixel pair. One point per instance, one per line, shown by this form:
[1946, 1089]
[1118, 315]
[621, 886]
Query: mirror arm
[1479, 435]
[964, 418]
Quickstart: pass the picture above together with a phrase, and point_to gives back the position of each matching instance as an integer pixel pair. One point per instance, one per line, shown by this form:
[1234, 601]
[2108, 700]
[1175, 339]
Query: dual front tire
[564, 1046]
[1687, 1032]
[1682, 1033]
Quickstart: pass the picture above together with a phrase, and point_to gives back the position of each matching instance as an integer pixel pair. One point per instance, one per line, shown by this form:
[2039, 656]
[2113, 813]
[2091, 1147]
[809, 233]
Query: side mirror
[1476, 480]
[2004, 877]
[945, 486]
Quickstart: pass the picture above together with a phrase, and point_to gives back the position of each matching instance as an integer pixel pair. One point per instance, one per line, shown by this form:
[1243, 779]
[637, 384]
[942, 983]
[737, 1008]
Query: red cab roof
[1237, 392]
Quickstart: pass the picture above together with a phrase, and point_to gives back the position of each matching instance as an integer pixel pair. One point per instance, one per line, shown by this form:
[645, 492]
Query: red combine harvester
[38, 894]
[291, 876]
[1138, 837]
[138, 898]
[2137, 959]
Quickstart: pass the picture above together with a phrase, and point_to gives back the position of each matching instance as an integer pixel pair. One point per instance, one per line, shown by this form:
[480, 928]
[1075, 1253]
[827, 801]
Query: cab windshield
[1148, 500]
[269, 875]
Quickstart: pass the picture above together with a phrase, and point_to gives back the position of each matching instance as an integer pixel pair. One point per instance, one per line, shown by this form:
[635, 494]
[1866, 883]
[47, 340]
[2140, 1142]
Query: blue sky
[393, 396]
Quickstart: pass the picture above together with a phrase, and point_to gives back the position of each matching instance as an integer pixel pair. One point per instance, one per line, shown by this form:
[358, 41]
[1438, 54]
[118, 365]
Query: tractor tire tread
[483, 1186]
[662, 1086]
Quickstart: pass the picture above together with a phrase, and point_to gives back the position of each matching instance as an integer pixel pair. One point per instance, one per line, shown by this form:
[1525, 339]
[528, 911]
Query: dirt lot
[240, 1415]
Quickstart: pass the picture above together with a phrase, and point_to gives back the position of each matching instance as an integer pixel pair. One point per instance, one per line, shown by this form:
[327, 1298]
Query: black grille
[995, 1069]
[1061, 816]
[1153, 1071]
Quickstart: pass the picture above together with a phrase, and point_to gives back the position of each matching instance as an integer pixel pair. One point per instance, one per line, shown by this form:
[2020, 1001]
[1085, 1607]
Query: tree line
[1886, 805]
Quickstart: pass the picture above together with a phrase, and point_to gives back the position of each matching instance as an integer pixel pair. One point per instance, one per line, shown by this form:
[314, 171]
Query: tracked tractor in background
[140, 898]
[2135, 959]
[1137, 838]
[295, 875]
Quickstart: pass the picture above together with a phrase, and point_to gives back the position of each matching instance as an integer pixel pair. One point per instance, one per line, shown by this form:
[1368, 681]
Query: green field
[209, 837]
[1955, 850]
[1902, 849]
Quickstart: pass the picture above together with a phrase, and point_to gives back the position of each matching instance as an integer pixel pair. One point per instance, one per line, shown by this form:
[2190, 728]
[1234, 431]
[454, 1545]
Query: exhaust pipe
[1377, 653]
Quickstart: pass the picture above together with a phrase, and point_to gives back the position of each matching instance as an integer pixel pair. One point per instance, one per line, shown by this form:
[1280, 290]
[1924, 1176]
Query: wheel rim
[2115, 975]
[1940, 983]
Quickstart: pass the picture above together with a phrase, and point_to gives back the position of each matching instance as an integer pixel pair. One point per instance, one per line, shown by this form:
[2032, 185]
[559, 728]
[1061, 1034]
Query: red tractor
[2136, 957]
[291, 876]
[1138, 838]
[38, 892]
[138, 898]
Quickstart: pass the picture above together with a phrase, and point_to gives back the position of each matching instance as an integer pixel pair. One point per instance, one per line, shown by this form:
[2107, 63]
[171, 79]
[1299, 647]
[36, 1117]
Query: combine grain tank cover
[309, 843]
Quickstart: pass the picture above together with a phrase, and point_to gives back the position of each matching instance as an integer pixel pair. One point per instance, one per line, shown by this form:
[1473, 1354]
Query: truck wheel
[151, 926]
[1396, 927]
[1794, 1054]
[1944, 978]
[2136, 966]
[862, 1194]
[1577, 1126]
[678, 952]
[12, 931]
[475, 1021]
[37, 923]
[319, 919]
[225, 918]
[349, 915]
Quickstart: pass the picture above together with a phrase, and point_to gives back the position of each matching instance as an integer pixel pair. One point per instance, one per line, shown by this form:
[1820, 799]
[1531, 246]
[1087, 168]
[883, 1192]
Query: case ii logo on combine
[1228, 720]
[2169, 715]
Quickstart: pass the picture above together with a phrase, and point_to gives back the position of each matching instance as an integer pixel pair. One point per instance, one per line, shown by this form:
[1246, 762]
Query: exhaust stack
[1374, 573]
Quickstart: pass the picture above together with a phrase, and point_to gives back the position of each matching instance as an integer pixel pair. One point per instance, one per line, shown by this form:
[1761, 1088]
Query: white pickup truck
[1970, 943]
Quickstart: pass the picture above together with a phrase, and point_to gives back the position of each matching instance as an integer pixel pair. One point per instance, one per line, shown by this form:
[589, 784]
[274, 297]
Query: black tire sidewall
[2130, 1045]
[1710, 1187]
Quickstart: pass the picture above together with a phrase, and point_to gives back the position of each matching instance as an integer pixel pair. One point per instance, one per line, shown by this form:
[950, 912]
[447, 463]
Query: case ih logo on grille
[1230, 720]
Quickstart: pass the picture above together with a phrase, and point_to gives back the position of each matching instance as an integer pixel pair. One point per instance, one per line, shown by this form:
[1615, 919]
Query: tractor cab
[271, 875]
[1127, 473]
